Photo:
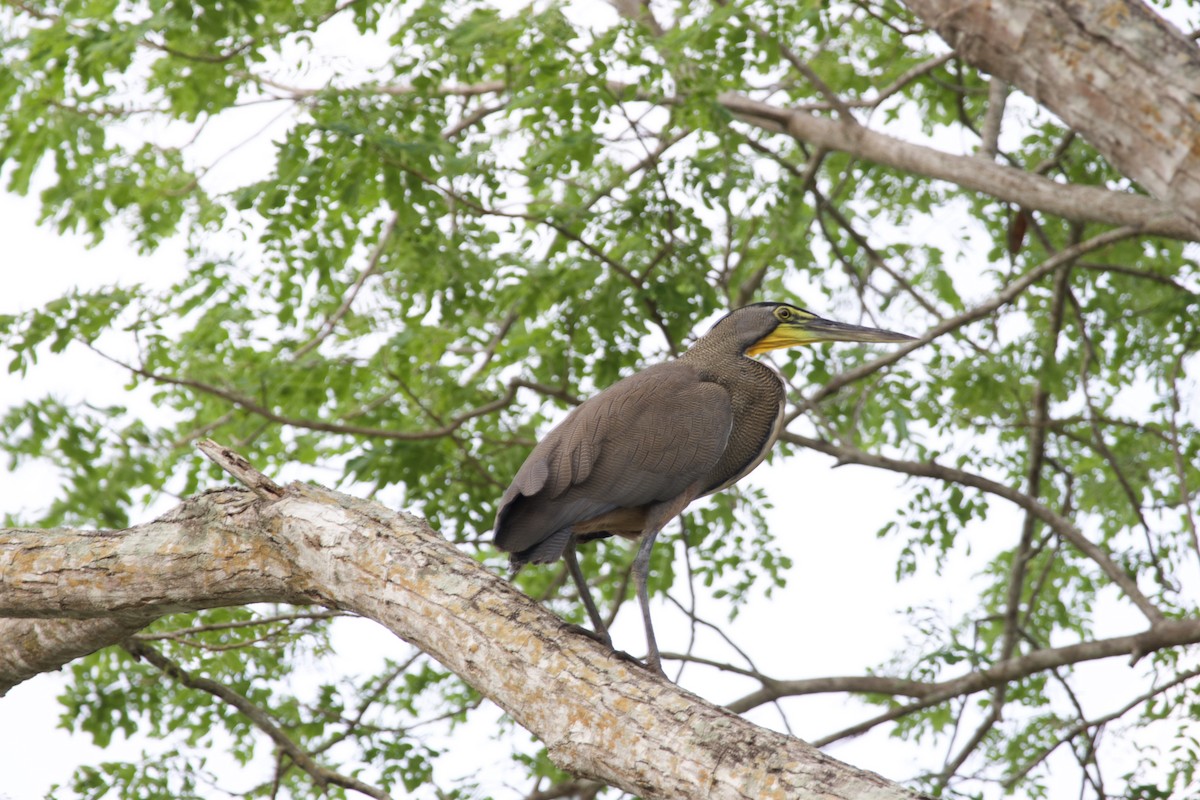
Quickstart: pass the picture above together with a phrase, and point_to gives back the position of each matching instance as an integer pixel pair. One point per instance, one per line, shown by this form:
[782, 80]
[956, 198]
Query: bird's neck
[756, 397]
[730, 367]
[723, 347]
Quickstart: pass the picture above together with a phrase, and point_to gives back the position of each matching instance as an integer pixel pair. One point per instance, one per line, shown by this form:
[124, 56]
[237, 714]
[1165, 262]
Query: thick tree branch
[34, 646]
[45, 572]
[312, 545]
[1028, 190]
[607, 720]
[1114, 71]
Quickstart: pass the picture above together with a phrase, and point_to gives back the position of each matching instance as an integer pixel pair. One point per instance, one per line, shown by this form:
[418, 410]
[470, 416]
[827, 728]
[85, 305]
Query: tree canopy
[464, 217]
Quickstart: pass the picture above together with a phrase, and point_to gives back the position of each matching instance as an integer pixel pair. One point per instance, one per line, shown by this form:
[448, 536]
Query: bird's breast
[758, 399]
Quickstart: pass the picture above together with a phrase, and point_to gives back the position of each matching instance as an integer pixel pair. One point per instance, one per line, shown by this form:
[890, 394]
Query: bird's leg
[601, 630]
[641, 569]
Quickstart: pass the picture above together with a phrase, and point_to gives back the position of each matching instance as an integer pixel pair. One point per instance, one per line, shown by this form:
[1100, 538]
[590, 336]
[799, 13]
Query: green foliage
[444, 248]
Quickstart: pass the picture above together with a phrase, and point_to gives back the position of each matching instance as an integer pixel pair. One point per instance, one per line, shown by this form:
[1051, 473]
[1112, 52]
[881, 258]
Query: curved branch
[1062, 526]
[321, 775]
[606, 719]
[1115, 72]
[1007, 295]
[1028, 190]
[1170, 633]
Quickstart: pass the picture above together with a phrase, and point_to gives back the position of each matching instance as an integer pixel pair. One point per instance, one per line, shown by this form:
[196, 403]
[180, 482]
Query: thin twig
[239, 625]
[892, 88]
[322, 776]
[1014, 778]
[1099, 445]
[329, 427]
[1000, 299]
[1170, 633]
[372, 268]
[1180, 464]
[1058, 523]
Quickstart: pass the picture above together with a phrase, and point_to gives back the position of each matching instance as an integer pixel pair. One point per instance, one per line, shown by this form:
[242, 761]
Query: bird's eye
[784, 313]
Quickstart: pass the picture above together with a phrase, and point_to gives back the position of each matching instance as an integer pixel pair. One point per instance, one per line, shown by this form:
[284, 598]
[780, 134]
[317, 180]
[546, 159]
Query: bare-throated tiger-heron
[628, 460]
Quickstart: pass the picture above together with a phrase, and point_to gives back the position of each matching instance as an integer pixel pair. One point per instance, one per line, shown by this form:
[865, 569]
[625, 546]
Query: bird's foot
[652, 665]
[602, 638]
[631, 659]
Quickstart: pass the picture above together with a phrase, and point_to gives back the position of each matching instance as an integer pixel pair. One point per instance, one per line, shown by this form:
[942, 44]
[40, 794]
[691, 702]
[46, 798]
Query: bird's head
[762, 327]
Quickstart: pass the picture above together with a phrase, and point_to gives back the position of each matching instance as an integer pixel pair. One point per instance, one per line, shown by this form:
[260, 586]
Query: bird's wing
[643, 440]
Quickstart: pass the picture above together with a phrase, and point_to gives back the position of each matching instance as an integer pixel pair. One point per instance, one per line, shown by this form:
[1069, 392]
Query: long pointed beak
[813, 329]
[826, 330]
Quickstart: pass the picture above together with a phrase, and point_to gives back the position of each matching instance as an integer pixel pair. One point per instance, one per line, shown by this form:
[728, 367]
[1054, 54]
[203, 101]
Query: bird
[628, 460]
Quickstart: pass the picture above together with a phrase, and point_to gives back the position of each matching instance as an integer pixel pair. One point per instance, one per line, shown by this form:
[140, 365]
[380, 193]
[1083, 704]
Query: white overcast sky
[841, 613]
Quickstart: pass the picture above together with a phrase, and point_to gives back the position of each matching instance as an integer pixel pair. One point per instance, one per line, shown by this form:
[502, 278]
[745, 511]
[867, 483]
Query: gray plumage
[628, 460]
[643, 441]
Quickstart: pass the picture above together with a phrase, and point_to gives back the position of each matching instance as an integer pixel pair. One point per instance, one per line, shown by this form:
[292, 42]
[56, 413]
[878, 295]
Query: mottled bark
[599, 716]
[1114, 71]
[33, 646]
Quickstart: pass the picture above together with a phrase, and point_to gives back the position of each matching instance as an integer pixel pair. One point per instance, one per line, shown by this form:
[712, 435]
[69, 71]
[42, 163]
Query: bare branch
[1028, 190]
[627, 728]
[1059, 524]
[1144, 122]
[321, 775]
[1002, 298]
[1136, 645]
